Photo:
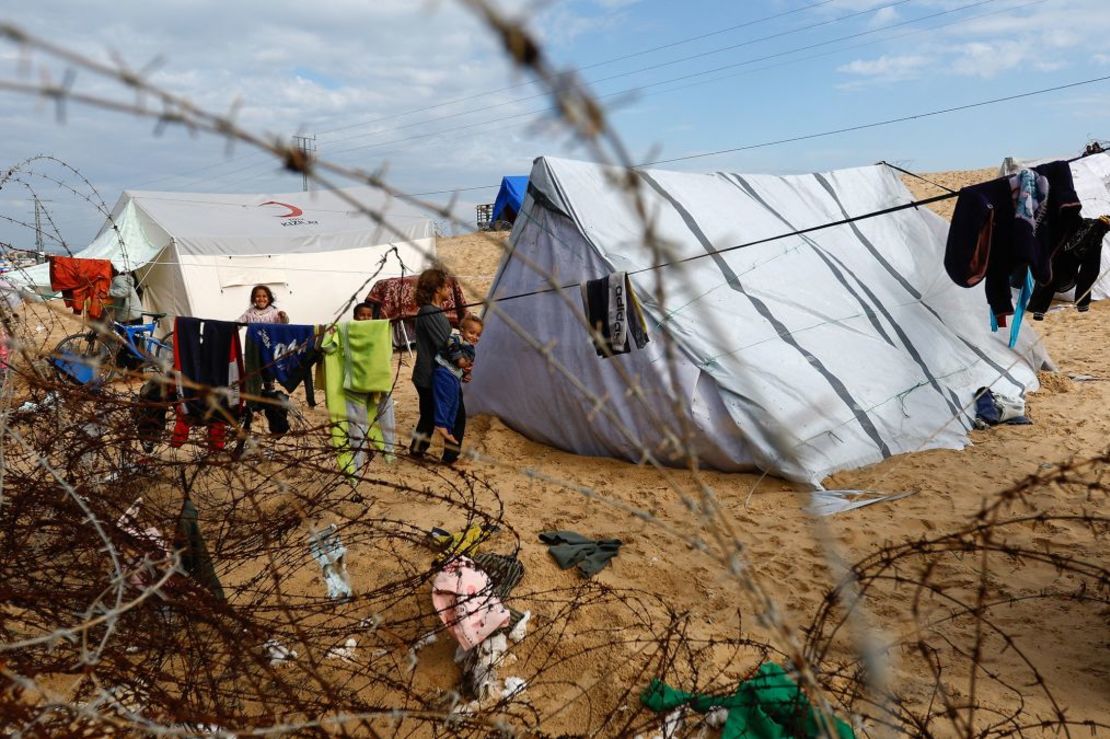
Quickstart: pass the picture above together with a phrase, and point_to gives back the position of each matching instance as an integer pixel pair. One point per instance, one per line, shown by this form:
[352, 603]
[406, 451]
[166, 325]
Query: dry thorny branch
[101, 630]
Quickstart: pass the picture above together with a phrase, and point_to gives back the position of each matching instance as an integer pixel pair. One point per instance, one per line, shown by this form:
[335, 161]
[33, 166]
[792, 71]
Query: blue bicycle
[93, 357]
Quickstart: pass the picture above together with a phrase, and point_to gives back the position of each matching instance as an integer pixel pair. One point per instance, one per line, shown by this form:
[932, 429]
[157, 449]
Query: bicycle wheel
[84, 358]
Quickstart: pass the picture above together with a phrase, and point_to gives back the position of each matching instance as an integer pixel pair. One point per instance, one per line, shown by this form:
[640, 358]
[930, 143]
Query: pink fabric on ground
[463, 597]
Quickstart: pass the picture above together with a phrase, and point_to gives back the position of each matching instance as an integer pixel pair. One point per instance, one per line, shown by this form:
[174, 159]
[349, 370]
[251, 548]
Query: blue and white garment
[1030, 191]
[283, 351]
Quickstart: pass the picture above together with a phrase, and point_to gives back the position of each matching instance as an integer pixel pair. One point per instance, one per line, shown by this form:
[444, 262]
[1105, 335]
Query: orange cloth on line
[84, 283]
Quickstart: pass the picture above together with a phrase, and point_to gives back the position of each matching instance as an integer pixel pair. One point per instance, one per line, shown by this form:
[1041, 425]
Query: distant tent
[801, 356]
[199, 254]
[509, 198]
[1092, 184]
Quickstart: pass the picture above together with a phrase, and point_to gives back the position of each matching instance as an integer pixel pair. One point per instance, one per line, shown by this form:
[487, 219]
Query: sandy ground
[1067, 642]
[793, 557]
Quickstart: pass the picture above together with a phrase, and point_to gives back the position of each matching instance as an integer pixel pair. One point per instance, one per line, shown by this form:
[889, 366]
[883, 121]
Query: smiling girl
[262, 308]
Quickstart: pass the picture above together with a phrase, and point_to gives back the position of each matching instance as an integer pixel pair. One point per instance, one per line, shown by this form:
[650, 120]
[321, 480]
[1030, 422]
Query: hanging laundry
[1076, 265]
[463, 596]
[281, 352]
[1024, 296]
[206, 354]
[768, 706]
[83, 283]
[357, 380]
[368, 356]
[194, 553]
[993, 408]
[1062, 219]
[570, 548]
[328, 551]
[1003, 226]
[394, 299]
[613, 310]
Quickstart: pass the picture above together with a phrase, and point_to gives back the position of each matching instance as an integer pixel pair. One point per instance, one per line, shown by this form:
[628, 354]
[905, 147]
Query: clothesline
[1091, 150]
[798, 232]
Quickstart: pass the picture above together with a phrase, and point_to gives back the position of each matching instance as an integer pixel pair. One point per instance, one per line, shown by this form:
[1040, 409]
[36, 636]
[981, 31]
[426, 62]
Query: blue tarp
[509, 198]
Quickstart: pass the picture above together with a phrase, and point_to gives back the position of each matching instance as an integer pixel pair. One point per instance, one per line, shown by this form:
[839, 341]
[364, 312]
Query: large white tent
[199, 254]
[802, 355]
[1091, 175]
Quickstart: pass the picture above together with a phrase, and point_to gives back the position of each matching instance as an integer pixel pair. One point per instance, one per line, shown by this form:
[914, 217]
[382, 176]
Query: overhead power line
[652, 67]
[500, 121]
[831, 132]
[529, 114]
[887, 122]
[482, 95]
[612, 60]
[768, 239]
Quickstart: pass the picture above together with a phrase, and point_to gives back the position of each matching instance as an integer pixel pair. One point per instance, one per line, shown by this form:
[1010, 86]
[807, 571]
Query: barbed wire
[107, 629]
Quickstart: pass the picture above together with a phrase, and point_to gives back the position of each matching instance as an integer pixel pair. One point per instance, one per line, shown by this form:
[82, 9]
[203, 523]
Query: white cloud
[884, 17]
[989, 60]
[388, 72]
[887, 68]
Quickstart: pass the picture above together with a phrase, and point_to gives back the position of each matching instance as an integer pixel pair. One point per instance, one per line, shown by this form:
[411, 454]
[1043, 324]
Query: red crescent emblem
[294, 211]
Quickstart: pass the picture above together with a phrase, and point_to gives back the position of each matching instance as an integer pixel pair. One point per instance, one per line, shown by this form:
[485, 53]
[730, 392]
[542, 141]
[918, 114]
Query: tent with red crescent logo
[199, 254]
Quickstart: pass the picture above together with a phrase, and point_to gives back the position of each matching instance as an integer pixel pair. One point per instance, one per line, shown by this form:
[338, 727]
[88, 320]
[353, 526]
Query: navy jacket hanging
[1077, 264]
[207, 353]
[987, 238]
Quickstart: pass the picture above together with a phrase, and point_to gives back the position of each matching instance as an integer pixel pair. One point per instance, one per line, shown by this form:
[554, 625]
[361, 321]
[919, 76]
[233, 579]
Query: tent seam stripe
[834, 382]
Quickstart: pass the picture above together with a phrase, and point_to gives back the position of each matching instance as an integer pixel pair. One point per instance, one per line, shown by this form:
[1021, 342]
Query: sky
[422, 91]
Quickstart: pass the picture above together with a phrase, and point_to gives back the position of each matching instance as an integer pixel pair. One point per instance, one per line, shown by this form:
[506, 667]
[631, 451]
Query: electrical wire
[613, 60]
[500, 121]
[486, 94]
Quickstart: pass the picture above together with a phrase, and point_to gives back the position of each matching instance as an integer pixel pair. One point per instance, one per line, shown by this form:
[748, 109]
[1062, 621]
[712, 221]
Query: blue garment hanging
[1023, 301]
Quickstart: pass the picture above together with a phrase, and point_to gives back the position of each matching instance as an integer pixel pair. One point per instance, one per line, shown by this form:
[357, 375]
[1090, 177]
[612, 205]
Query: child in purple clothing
[456, 359]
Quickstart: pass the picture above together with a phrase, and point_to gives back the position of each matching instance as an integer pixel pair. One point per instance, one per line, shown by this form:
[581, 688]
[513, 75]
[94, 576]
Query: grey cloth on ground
[569, 548]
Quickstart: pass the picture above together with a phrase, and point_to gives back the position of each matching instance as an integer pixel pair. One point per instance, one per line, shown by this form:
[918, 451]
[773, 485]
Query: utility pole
[307, 145]
[40, 245]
